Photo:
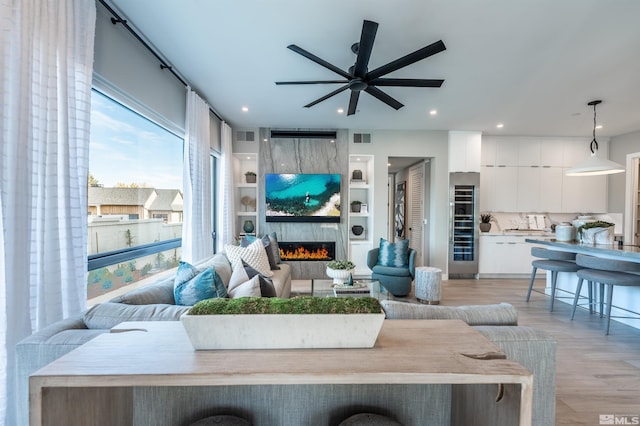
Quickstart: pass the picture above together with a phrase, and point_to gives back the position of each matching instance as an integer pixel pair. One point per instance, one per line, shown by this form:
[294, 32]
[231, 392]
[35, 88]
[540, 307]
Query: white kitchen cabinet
[584, 194]
[488, 151]
[539, 189]
[505, 189]
[464, 151]
[504, 255]
[551, 152]
[529, 152]
[507, 152]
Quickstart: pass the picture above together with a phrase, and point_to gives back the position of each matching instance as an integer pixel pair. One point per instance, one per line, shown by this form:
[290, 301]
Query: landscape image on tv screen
[295, 197]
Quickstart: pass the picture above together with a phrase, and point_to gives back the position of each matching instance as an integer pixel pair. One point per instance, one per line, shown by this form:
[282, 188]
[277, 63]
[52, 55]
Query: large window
[135, 200]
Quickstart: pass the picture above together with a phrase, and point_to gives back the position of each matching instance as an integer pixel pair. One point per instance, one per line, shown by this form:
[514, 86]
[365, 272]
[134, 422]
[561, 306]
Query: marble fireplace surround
[299, 154]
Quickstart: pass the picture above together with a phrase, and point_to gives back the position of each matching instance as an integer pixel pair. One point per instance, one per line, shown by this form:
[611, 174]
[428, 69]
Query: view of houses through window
[134, 196]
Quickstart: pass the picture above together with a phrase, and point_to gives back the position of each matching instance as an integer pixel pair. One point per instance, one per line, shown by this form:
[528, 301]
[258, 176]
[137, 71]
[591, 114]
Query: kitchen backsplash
[505, 221]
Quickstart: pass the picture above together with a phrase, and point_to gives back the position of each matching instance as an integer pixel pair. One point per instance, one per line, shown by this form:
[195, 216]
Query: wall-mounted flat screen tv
[298, 197]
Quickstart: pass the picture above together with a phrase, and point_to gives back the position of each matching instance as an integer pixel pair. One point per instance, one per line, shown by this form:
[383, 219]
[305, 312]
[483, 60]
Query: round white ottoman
[428, 284]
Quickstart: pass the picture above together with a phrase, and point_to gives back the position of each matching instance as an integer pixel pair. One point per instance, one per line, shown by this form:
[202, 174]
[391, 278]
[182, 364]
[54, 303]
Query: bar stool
[554, 261]
[606, 272]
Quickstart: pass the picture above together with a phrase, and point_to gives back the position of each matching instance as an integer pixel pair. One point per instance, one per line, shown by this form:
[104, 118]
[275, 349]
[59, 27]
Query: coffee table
[361, 288]
[147, 373]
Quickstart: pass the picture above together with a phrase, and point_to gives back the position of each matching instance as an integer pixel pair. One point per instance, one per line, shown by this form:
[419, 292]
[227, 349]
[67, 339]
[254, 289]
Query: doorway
[409, 203]
[632, 204]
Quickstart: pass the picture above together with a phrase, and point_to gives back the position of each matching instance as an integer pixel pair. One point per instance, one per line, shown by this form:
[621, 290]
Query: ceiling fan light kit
[359, 79]
[594, 165]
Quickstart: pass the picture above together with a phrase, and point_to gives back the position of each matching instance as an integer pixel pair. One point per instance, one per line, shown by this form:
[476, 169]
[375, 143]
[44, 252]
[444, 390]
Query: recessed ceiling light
[340, 111]
[500, 125]
[333, 141]
[245, 109]
[433, 112]
[265, 140]
[599, 126]
[388, 164]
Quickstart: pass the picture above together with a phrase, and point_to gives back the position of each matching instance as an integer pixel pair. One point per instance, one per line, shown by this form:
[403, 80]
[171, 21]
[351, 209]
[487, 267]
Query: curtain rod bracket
[115, 21]
[163, 66]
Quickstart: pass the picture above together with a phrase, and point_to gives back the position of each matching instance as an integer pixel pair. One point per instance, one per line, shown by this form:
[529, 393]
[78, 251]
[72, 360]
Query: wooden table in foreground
[94, 383]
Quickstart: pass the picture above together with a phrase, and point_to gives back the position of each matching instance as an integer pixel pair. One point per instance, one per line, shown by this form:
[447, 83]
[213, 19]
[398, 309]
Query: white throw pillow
[249, 288]
[254, 255]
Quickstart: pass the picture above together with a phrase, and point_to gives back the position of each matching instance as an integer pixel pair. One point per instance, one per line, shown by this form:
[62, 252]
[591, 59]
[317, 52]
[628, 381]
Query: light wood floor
[596, 374]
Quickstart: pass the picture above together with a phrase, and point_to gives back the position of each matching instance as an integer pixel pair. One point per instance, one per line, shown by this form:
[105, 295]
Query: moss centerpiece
[274, 323]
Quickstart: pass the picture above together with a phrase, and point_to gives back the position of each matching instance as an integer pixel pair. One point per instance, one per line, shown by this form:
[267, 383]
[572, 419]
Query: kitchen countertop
[519, 233]
[628, 253]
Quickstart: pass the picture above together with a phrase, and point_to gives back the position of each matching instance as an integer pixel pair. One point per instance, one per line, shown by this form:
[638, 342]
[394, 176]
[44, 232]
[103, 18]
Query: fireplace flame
[302, 253]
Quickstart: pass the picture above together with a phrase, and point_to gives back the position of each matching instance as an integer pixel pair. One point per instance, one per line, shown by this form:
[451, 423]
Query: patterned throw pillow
[394, 254]
[192, 285]
[266, 241]
[254, 255]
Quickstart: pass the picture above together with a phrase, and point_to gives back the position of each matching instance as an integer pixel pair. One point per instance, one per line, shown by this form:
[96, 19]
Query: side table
[428, 284]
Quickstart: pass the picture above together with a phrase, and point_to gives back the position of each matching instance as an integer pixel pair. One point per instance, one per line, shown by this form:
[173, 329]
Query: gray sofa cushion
[497, 314]
[159, 292]
[107, 315]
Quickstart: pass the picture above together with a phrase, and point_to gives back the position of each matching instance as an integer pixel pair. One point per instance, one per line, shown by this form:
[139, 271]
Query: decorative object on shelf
[248, 323]
[357, 230]
[598, 232]
[247, 201]
[595, 165]
[485, 221]
[340, 270]
[364, 209]
[400, 212]
[248, 226]
[356, 176]
[250, 177]
[350, 280]
[355, 206]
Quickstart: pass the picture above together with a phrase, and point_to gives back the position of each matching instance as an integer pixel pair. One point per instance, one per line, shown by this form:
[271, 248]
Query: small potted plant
[355, 206]
[485, 221]
[340, 270]
[250, 177]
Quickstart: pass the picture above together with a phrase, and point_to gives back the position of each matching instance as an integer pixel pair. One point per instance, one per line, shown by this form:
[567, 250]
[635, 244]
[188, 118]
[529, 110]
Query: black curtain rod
[118, 19]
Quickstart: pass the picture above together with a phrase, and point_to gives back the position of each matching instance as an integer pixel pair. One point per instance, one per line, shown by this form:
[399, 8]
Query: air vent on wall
[246, 135]
[304, 134]
[362, 138]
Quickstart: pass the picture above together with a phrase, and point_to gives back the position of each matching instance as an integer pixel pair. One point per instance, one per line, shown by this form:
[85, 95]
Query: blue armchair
[396, 280]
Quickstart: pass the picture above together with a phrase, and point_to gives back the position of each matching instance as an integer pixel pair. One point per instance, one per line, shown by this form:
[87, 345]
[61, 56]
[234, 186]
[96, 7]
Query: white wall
[417, 143]
[619, 147]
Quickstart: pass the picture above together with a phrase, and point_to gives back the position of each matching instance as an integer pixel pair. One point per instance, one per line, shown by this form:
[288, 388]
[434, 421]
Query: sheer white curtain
[196, 228]
[47, 57]
[226, 223]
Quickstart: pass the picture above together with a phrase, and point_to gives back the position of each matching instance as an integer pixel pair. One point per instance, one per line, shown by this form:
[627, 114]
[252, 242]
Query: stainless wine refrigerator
[463, 233]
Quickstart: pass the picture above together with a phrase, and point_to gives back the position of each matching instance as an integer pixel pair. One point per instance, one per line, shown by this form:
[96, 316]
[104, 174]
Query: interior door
[415, 211]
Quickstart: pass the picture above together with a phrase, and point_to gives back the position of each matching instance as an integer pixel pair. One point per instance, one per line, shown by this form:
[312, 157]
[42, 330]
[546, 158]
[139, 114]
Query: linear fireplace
[307, 250]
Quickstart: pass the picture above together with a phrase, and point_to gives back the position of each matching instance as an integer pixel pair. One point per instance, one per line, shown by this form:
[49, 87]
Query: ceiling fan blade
[405, 82]
[318, 61]
[353, 102]
[325, 97]
[377, 93]
[312, 82]
[409, 59]
[367, 37]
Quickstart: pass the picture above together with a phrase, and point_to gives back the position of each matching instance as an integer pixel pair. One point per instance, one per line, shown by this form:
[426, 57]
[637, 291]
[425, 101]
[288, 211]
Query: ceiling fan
[358, 78]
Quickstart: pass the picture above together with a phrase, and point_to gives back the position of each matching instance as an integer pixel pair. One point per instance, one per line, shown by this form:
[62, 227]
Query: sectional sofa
[455, 404]
[154, 302]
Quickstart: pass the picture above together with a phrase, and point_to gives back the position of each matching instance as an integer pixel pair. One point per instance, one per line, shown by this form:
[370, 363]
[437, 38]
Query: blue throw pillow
[394, 254]
[192, 285]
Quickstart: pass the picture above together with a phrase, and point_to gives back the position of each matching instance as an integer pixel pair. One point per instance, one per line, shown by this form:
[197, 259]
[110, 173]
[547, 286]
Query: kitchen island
[626, 300]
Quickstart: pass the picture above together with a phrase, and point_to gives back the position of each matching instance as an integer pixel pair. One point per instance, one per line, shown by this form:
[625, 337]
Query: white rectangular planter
[282, 331]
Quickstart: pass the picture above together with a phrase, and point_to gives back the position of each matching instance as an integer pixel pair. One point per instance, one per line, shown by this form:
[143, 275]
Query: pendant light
[595, 165]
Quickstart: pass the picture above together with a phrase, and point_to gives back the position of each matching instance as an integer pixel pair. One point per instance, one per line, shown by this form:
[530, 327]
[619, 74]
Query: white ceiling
[530, 64]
